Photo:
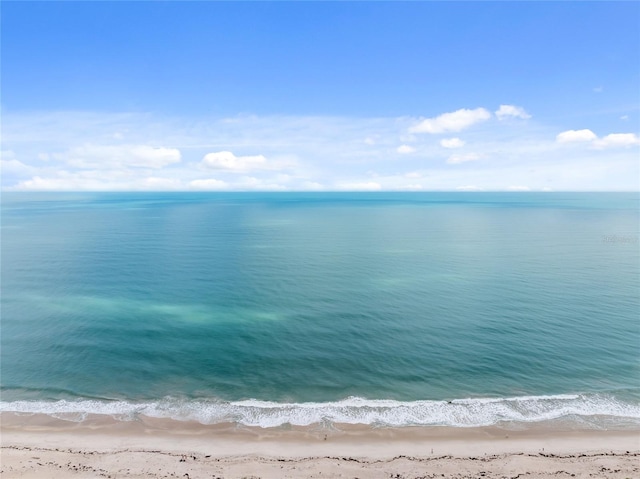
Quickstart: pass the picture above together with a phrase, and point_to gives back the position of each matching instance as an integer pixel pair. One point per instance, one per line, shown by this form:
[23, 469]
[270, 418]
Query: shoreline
[599, 410]
[40, 446]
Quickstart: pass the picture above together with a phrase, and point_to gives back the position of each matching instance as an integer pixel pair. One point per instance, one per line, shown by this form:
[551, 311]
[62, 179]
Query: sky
[320, 96]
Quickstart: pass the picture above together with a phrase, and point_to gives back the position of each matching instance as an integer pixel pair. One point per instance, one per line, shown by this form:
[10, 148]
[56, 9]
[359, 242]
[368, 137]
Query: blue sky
[320, 96]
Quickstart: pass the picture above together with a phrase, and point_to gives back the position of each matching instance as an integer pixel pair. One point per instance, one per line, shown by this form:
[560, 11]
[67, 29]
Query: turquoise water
[388, 308]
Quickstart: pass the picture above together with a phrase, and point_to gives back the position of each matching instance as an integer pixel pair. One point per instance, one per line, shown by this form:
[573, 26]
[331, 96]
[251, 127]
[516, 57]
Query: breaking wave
[354, 410]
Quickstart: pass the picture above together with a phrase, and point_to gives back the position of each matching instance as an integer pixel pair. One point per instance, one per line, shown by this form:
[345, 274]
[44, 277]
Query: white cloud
[77, 182]
[571, 136]
[469, 188]
[311, 186]
[360, 186]
[456, 159]
[405, 149]
[208, 184]
[153, 183]
[598, 89]
[15, 168]
[454, 121]
[109, 156]
[151, 157]
[613, 140]
[45, 184]
[518, 188]
[624, 117]
[412, 187]
[258, 184]
[225, 160]
[7, 154]
[451, 143]
[318, 153]
[506, 111]
[617, 140]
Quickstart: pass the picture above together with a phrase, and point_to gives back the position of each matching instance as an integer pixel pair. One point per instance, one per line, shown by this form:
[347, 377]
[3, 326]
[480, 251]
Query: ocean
[278, 309]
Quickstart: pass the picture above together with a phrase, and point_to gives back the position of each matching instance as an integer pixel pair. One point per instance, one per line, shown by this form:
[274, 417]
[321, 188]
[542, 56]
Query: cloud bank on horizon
[477, 137]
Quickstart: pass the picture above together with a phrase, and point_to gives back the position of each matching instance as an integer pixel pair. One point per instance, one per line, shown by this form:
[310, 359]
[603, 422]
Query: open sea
[277, 309]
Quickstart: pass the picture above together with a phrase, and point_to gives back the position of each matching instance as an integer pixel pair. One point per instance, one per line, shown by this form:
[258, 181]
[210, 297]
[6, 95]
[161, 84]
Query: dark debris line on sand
[616, 465]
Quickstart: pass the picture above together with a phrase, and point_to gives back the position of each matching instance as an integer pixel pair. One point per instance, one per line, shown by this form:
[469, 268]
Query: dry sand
[38, 446]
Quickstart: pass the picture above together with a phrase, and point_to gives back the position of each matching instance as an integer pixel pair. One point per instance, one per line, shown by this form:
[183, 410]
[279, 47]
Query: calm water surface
[301, 308]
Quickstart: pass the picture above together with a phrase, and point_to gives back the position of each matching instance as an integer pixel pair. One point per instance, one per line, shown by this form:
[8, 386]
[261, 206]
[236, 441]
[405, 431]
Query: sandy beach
[38, 446]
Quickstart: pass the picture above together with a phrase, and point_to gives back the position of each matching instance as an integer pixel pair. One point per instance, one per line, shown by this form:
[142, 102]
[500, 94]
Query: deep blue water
[238, 306]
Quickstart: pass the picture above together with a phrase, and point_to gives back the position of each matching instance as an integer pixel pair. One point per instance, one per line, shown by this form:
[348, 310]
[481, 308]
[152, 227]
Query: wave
[473, 412]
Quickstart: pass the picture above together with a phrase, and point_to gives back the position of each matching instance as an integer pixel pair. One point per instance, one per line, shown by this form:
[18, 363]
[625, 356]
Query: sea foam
[354, 410]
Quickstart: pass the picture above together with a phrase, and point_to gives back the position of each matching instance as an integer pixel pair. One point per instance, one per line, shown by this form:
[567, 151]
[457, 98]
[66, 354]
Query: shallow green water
[193, 303]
